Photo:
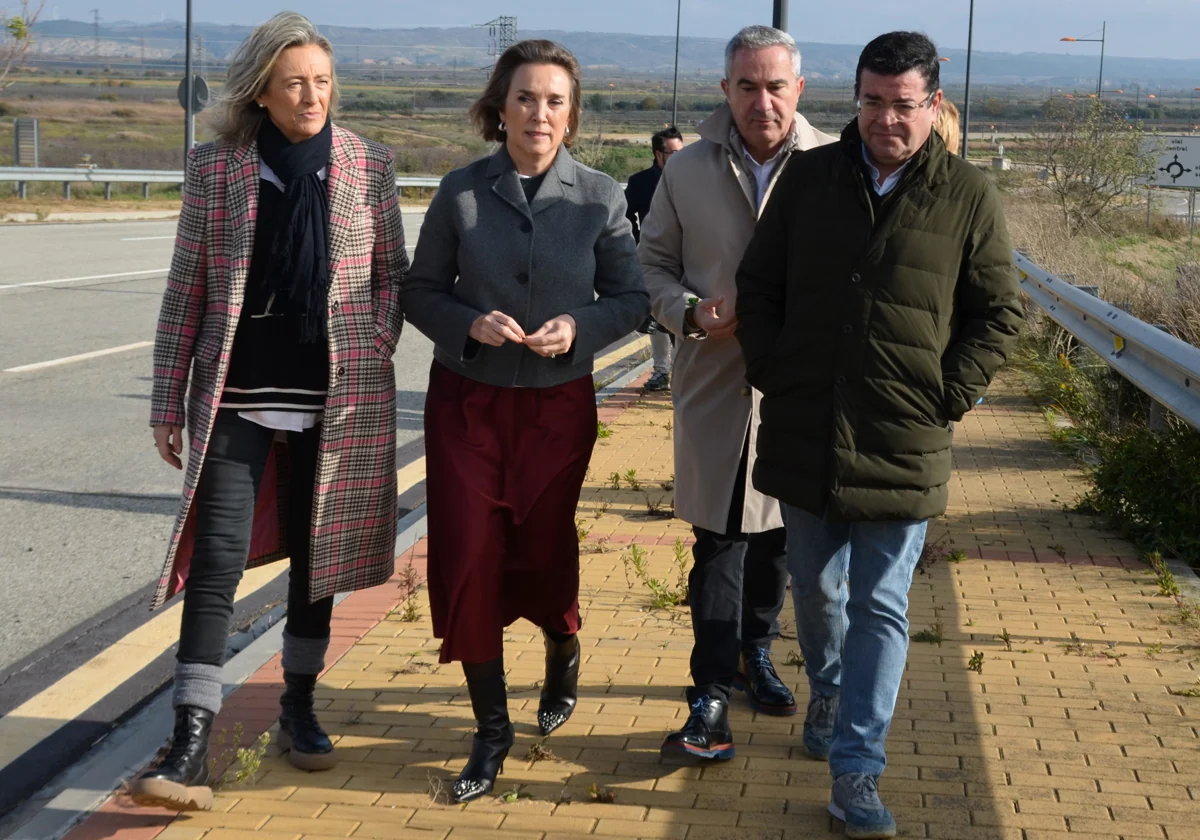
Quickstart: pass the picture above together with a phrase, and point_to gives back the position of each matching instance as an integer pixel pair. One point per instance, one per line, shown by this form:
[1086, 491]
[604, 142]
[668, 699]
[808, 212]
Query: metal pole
[780, 17]
[967, 94]
[1192, 216]
[189, 127]
[675, 89]
[1100, 81]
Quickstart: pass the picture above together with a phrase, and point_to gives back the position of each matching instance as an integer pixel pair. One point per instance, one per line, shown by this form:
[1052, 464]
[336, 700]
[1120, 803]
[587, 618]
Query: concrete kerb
[81, 790]
[1187, 578]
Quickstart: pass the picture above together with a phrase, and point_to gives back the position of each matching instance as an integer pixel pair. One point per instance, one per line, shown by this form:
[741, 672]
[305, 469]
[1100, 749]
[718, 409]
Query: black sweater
[270, 370]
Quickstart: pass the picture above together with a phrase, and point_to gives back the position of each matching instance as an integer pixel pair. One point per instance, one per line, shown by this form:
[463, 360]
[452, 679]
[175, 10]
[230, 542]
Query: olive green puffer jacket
[869, 331]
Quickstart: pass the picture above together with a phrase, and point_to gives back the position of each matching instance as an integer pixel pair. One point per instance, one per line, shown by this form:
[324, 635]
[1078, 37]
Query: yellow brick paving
[1069, 730]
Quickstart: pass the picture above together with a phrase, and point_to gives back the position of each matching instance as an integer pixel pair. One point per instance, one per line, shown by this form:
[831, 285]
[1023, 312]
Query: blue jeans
[850, 584]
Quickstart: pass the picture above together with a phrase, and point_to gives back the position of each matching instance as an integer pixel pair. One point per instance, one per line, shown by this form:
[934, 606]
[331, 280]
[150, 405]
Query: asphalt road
[86, 505]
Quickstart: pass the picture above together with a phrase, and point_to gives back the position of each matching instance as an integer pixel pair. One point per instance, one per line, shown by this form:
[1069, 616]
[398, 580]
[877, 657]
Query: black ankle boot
[560, 690]
[759, 679]
[706, 733]
[493, 732]
[300, 733]
[180, 781]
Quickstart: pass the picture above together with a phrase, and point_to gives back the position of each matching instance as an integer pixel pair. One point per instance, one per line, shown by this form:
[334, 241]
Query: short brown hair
[485, 113]
[946, 125]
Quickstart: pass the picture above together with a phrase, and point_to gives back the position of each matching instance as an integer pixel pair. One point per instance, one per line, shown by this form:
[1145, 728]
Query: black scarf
[297, 274]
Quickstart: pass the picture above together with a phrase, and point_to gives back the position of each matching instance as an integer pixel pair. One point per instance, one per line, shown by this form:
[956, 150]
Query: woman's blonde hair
[485, 113]
[236, 116]
[946, 125]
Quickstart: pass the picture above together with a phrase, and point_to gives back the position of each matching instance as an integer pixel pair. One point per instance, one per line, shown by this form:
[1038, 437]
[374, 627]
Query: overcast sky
[1147, 28]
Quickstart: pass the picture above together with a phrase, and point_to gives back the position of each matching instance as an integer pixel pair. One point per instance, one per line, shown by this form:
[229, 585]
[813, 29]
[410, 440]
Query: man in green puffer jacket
[875, 303]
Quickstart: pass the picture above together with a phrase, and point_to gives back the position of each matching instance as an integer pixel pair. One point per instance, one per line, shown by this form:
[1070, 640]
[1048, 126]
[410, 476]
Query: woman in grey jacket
[525, 269]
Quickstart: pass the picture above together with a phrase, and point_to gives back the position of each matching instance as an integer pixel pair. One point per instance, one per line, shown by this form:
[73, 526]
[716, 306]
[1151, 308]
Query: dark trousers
[224, 509]
[736, 588]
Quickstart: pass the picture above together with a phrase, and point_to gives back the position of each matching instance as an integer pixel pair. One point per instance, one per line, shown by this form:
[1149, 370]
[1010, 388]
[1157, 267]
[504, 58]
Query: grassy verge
[1145, 482]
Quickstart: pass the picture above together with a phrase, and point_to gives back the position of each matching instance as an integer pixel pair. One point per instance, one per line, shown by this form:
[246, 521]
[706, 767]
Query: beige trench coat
[700, 223]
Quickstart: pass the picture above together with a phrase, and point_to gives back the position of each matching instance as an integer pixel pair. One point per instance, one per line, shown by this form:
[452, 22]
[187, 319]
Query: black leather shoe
[180, 782]
[765, 691]
[560, 690]
[706, 733]
[300, 733]
[493, 731]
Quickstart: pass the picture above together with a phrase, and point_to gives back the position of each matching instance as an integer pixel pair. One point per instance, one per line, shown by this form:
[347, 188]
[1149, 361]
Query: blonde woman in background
[947, 126]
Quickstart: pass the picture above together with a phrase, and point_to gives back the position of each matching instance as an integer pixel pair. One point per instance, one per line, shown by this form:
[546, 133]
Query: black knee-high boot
[560, 689]
[493, 731]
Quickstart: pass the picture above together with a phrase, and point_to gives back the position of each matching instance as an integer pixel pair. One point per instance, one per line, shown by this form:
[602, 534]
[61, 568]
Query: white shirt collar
[889, 183]
[762, 172]
[265, 172]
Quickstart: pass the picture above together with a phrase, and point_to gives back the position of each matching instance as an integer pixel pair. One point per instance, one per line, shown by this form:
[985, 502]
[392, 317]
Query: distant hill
[612, 53]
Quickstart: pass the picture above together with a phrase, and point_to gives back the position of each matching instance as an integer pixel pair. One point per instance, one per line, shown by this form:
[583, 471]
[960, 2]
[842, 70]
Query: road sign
[1176, 161]
[199, 94]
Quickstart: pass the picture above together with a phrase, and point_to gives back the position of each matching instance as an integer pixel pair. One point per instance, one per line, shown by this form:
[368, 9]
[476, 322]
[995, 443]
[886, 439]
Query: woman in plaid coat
[282, 304]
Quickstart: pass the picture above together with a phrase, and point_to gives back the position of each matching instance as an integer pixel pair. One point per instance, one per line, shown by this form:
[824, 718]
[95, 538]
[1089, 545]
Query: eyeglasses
[904, 111]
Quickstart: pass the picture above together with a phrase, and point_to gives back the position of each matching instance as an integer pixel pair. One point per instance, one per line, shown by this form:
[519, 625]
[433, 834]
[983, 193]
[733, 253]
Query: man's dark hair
[658, 140]
[895, 53]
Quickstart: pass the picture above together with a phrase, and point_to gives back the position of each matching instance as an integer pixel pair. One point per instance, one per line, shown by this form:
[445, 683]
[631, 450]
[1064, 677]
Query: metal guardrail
[1163, 366]
[67, 175]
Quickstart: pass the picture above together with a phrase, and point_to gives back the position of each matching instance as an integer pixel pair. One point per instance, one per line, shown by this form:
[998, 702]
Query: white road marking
[82, 279]
[144, 238]
[81, 357]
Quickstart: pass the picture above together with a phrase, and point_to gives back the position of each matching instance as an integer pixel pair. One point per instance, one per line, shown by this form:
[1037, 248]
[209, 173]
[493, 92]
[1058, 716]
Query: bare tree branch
[16, 36]
[1093, 159]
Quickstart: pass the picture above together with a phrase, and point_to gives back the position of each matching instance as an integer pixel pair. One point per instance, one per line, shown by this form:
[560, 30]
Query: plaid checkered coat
[354, 513]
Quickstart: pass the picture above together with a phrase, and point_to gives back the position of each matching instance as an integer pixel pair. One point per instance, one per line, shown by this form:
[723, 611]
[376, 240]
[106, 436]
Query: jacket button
[334, 306]
[341, 371]
[523, 278]
[841, 380]
[745, 390]
[847, 329]
[855, 278]
[526, 227]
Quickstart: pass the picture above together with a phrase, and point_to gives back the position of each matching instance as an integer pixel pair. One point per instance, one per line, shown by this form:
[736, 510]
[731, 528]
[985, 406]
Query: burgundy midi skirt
[504, 468]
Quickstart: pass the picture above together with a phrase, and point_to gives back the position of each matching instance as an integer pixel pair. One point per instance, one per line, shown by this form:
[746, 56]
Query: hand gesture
[169, 442]
[495, 328]
[712, 316]
[554, 338]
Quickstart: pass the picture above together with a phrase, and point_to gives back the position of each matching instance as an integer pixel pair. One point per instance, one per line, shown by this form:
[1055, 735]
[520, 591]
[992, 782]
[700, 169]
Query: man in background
[638, 194]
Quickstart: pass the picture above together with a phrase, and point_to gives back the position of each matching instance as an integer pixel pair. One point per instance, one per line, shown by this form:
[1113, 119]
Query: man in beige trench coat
[700, 223]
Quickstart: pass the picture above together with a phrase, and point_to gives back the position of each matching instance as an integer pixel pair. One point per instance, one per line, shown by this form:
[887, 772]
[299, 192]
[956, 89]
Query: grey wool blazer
[483, 247]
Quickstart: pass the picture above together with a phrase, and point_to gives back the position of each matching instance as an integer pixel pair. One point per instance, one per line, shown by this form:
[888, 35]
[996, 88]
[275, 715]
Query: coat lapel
[506, 184]
[559, 179]
[242, 191]
[343, 185]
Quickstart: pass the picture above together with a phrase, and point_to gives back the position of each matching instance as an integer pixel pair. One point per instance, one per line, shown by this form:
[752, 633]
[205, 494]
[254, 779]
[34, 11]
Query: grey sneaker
[818, 726]
[659, 382]
[855, 801]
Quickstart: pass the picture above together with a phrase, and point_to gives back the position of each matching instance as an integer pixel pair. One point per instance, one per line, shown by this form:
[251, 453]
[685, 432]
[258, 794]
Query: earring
[261, 105]
[502, 126]
[568, 131]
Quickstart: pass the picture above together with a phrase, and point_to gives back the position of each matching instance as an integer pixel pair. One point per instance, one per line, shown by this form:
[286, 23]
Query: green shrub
[1146, 484]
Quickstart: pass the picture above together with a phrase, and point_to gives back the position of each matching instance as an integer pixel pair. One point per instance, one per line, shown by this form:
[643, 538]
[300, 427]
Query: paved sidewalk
[1069, 727]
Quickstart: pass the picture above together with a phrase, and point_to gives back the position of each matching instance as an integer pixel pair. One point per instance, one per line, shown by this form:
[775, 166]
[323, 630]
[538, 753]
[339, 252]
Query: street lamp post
[779, 18]
[675, 89]
[1101, 41]
[966, 126]
[189, 123]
